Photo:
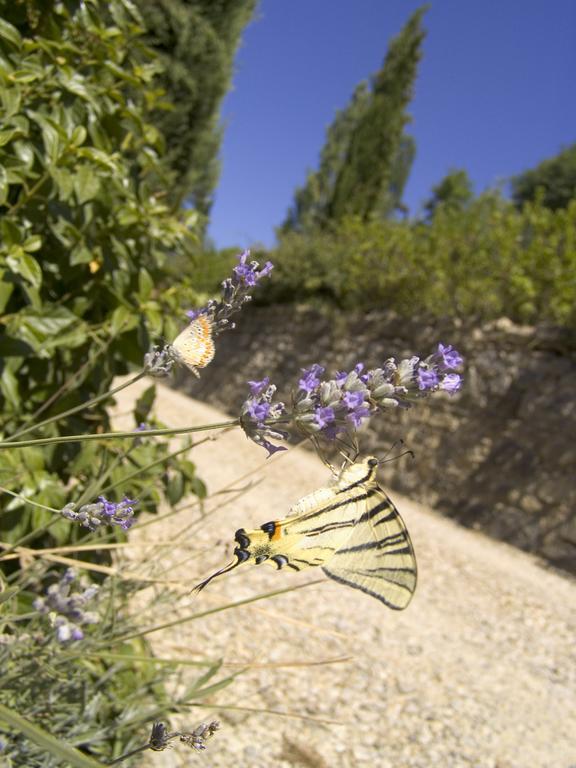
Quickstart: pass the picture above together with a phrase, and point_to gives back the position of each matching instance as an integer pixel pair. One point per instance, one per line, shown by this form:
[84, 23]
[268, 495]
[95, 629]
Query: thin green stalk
[129, 754]
[152, 464]
[116, 435]
[228, 606]
[76, 409]
[27, 501]
[92, 488]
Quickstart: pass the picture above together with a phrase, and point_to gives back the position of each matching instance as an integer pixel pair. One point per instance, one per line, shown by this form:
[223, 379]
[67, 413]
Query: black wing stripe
[388, 541]
[367, 591]
[330, 527]
[341, 503]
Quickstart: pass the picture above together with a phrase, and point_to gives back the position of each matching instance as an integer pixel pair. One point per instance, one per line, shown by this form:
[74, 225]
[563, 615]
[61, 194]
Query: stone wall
[500, 456]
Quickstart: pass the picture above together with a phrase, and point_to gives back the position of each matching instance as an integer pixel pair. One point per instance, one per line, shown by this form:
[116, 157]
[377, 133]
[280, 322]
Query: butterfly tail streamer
[226, 569]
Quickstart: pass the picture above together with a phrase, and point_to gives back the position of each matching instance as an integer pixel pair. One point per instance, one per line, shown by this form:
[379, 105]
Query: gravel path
[479, 671]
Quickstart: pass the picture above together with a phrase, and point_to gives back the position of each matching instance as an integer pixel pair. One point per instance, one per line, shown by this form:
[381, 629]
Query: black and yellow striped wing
[378, 558]
[351, 529]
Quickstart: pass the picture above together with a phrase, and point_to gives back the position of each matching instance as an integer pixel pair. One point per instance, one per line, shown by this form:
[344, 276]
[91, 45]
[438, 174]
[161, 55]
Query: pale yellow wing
[378, 557]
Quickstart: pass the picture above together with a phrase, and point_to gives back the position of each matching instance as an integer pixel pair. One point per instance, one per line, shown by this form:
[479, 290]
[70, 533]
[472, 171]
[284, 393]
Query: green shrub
[85, 237]
[85, 240]
[486, 261]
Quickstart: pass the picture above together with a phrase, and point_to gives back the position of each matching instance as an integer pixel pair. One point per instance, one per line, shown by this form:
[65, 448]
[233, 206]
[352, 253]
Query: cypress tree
[366, 183]
[311, 201]
[196, 41]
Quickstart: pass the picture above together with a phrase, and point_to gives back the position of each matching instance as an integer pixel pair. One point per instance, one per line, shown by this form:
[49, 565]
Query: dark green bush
[85, 236]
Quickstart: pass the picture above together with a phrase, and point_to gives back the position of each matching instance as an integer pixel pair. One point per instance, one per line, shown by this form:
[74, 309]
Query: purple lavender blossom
[259, 415]
[66, 609]
[102, 512]
[234, 295]
[357, 415]
[258, 411]
[257, 387]
[328, 408]
[247, 274]
[311, 378]
[427, 379]
[121, 514]
[324, 416]
[353, 399]
[451, 383]
[450, 357]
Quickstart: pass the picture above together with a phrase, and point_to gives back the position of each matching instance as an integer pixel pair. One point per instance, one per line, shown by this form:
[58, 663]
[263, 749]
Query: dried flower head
[200, 735]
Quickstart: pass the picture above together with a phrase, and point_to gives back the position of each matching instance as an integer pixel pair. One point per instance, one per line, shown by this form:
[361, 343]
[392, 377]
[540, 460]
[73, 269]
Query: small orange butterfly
[194, 346]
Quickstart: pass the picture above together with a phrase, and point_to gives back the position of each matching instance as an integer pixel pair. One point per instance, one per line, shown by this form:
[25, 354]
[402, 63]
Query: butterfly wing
[195, 346]
[378, 557]
[289, 542]
[352, 530]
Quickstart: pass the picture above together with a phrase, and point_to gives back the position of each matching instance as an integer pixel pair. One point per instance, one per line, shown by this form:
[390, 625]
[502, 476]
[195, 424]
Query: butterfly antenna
[407, 452]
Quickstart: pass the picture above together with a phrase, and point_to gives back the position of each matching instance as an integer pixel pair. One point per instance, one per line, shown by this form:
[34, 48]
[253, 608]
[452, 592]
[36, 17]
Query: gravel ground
[479, 671]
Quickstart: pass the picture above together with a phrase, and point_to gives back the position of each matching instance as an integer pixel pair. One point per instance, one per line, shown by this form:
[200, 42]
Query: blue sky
[494, 95]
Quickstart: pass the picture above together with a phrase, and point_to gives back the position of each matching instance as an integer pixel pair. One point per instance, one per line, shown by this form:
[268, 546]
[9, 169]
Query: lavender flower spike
[235, 293]
[259, 414]
[333, 408]
[102, 512]
[65, 609]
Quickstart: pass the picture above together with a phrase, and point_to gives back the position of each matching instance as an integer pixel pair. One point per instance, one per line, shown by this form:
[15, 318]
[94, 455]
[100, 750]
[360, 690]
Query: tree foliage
[366, 160]
[453, 193]
[312, 201]
[363, 186]
[554, 180]
[85, 236]
[196, 41]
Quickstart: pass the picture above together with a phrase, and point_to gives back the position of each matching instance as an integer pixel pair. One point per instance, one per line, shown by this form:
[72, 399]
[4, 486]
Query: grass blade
[46, 741]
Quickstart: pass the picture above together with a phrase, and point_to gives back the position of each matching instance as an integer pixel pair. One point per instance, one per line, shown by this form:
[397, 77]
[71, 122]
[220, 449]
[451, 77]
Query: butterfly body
[194, 347]
[351, 530]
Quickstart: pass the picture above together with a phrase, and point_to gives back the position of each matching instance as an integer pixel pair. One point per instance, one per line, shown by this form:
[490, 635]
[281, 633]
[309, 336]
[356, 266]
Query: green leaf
[99, 157]
[64, 181]
[10, 33]
[80, 255]
[6, 289]
[9, 387]
[50, 134]
[11, 99]
[7, 594]
[8, 135]
[21, 263]
[175, 488]
[32, 244]
[144, 404]
[145, 285]
[43, 329]
[25, 153]
[55, 747]
[78, 136]
[86, 184]
[123, 319]
[4, 186]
